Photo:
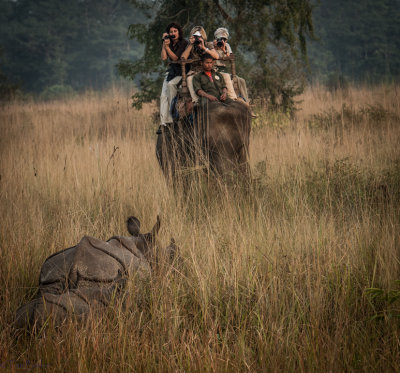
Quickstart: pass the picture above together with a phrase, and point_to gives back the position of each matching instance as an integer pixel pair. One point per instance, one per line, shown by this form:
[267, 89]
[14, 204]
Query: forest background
[50, 47]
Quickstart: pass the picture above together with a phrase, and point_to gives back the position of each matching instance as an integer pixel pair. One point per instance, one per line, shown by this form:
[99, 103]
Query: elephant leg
[243, 164]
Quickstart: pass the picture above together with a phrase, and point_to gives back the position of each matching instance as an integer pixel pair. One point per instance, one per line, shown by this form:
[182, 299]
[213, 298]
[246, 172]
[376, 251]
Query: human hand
[212, 98]
[201, 45]
[164, 40]
[223, 96]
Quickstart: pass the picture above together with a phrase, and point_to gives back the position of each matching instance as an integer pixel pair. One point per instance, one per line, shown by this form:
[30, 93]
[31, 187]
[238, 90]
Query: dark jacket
[215, 87]
[175, 69]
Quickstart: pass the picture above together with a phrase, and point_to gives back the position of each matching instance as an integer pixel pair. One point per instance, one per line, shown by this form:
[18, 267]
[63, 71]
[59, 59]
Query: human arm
[224, 49]
[166, 50]
[164, 54]
[224, 94]
[212, 52]
[201, 46]
[202, 93]
[186, 53]
[199, 88]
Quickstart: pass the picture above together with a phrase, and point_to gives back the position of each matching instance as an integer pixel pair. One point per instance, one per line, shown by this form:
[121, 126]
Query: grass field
[271, 279]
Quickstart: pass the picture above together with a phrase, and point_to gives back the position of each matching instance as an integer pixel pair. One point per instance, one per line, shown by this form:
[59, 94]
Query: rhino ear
[156, 227]
[133, 226]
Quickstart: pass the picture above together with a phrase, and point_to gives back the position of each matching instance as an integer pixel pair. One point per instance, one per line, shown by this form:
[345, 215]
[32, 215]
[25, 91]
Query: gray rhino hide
[83, 278]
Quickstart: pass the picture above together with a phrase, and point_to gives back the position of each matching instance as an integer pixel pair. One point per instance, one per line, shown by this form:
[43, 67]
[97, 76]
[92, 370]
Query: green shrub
[57, 91]
[274, 119]
[349, 117]
[337, 81]
[8, 90]
[385, 302]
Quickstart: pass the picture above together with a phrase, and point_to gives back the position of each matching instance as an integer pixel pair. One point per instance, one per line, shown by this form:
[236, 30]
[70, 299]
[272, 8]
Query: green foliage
[341, 187]
[385, 302]
[75, 43]
[348, 116]
[149, 83]
[359, 40]
[336, 81]
[8, 89]
[56, 92]
[279, 80]
[271, 118]
[268, 38]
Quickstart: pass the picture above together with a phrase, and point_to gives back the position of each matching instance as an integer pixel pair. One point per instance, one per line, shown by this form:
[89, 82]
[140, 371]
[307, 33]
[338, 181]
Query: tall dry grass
[271, 278]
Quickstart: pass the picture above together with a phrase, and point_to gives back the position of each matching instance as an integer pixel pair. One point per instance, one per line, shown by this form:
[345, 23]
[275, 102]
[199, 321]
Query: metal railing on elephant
[183, 63]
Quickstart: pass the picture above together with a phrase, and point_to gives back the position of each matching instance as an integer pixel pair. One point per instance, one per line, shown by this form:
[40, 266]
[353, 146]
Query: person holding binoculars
[197, 46]
[173, 45]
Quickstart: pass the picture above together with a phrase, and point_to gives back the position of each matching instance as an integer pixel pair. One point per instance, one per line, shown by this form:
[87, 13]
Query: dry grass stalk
[272, 279]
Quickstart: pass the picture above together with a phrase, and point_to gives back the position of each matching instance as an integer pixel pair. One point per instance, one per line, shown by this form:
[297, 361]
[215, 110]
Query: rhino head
[144, 242]
[147, 243]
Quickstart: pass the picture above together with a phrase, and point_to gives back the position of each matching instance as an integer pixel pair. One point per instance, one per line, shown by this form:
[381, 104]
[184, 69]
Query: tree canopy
[359, 40]
[48, 45]
[267, 37]
[75, 43]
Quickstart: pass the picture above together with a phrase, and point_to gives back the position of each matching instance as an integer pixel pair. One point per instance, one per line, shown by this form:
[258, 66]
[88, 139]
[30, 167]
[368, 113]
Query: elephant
[216, 140]
[87, 276]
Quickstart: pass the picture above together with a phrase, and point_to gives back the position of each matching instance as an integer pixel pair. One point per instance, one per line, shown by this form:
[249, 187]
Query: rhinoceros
[85, 277]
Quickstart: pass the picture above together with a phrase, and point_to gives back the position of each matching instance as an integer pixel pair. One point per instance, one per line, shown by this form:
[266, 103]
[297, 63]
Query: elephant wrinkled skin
[218, 139]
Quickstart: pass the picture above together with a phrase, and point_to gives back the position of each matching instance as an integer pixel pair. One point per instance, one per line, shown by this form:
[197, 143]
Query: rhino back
[81, 278]
[53, 274]
[96, 261]
[59, 306]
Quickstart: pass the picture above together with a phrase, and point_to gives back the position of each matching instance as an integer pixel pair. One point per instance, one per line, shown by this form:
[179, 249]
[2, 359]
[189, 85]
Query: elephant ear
[133, 226]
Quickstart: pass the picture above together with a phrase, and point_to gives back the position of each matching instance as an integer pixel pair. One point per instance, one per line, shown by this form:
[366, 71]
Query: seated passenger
[209, 84]
[173, 45]
[197, 47]
[223, 49]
